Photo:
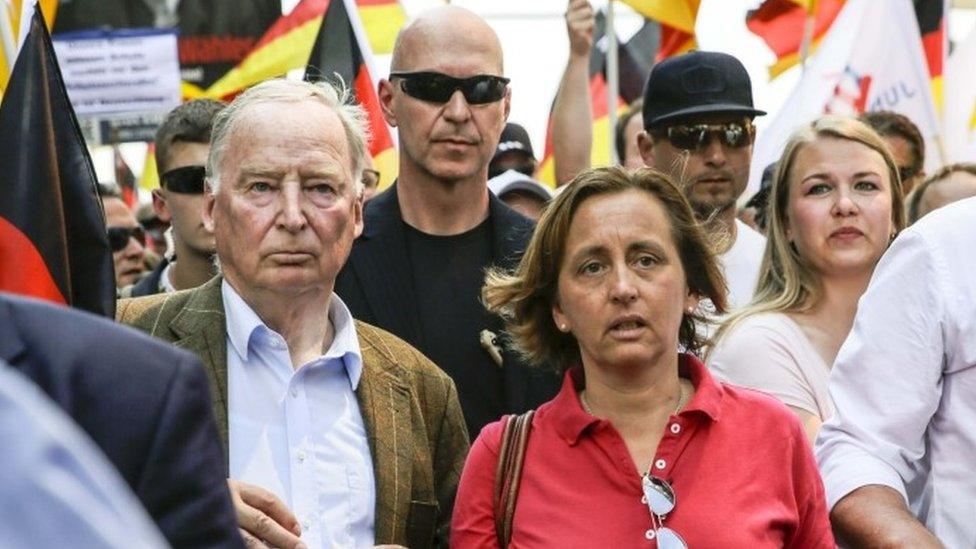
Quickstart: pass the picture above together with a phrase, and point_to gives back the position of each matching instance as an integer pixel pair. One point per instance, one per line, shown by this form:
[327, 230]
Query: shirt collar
[242, 322]
[572, 422]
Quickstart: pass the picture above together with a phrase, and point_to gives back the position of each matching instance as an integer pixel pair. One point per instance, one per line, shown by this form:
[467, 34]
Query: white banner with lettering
[871, 59]
[132, 70]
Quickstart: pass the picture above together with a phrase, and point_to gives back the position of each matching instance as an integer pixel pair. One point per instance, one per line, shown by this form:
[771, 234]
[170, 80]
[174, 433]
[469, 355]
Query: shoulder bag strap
[511, 454]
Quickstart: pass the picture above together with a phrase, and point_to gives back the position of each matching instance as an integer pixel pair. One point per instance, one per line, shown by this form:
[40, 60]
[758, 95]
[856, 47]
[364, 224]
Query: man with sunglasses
[418, 268]
[698, 115]
[125, 236]
[182, 146]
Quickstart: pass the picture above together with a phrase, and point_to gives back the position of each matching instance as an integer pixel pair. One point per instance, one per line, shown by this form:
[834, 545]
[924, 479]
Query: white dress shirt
[299, 432]
[904, 383]
[56, 488]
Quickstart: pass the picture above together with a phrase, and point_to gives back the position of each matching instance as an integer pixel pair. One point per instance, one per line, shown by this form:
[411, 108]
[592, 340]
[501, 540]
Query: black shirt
[448, 273]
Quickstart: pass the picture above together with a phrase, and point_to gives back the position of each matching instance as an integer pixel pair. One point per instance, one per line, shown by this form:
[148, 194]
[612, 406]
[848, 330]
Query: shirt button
[301, 455]
[660, 464]
[650, 534]
[644, 500]
[675, 428]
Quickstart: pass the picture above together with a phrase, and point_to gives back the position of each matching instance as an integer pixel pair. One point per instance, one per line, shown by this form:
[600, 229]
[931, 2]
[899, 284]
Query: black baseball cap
[698, 82]
[514, 138]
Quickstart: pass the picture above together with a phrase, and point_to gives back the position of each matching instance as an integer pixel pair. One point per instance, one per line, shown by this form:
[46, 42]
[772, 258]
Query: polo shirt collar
[572, 421]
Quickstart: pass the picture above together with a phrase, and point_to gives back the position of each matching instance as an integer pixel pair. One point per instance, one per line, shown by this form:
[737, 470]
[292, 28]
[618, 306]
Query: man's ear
[645, 144]
[209, 202]
[385, 93]
[160, 206]
[508, 102]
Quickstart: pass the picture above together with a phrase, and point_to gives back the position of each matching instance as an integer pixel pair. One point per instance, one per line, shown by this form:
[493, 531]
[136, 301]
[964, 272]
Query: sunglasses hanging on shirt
[661, 500]
[435, 87]
[185, 180]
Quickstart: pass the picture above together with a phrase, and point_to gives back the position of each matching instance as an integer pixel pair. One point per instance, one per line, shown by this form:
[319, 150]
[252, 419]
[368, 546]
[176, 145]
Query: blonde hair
[525, 298]
[786, 281]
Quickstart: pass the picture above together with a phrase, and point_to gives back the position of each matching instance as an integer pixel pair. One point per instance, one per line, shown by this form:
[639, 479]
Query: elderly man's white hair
[336, 97]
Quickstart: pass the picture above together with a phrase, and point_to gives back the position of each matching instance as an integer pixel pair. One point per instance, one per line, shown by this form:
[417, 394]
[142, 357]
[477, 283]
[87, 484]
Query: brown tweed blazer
[410, 409]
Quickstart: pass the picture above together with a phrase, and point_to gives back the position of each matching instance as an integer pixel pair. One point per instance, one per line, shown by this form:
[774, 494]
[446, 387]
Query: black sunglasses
[436, 87]
[734, 135]
[661, 500]
[185, 180]
[118, 237]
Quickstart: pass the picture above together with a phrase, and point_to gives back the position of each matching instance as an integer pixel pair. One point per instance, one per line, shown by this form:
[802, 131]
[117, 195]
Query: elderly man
[182, 146]
[698, 115]
[339, 434]
[897, 457]
[419, 266]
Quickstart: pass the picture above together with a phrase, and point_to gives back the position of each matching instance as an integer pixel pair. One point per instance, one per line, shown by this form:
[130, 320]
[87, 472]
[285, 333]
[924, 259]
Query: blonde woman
[836, 205]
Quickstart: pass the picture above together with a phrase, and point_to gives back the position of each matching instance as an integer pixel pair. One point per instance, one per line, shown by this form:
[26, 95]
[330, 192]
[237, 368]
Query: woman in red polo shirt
[641, 447]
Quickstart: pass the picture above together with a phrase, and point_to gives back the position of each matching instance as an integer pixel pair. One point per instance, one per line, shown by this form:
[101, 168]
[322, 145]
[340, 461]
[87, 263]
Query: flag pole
[808, 33]
[613, 80]
[7, 35]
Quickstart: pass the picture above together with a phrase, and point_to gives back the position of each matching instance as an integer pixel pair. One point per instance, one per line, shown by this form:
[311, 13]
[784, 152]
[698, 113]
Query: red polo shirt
[738, 461]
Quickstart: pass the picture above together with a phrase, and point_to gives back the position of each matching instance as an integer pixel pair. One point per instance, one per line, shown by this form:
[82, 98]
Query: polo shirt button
[644, 500]
[660, 464]
[650, 534]
[675, 428]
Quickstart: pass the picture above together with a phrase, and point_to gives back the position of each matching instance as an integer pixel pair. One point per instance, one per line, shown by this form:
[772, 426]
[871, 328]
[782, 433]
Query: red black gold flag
[53, 243]
[340, 50]
[781, 24]
[931, 15]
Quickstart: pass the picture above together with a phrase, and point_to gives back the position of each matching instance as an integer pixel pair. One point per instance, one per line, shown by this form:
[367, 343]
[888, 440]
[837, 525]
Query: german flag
[932, 26]
[677, 19]
[286, 46]
[288, 43]
[341, 49]
[782, 23]
[53, 243]
[382, 20]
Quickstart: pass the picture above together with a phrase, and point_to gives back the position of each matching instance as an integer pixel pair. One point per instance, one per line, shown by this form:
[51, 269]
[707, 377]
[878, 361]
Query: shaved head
[445, 29]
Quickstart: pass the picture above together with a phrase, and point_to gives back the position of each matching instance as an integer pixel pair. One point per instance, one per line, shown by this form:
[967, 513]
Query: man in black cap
[514, 152]
[698, 115]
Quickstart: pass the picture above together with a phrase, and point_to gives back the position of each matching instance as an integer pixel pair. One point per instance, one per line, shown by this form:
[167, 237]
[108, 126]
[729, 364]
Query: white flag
[871, 59]
[960, 102]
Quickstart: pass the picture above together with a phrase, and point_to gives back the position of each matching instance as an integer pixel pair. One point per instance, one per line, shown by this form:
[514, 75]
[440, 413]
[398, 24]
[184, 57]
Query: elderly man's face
[450, 141]
[286, 212]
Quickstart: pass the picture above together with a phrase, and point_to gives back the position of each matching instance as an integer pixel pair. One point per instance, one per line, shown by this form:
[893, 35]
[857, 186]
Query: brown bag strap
[511, 454]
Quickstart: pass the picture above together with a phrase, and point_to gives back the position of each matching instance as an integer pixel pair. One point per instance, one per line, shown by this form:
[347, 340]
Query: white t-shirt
[770, 352]
[741, 263]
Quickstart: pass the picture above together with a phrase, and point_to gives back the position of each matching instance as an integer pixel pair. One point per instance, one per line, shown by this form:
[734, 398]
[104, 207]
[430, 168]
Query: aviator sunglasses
[185, 180]
[118, 237]
[661, 500]
[436, 87]
[734, 135]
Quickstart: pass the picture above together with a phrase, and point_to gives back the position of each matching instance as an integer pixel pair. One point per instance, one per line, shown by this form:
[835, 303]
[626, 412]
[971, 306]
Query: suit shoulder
[146, 312]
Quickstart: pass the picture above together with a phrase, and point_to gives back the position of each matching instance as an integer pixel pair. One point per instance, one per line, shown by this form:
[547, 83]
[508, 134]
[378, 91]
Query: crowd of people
[473, 359]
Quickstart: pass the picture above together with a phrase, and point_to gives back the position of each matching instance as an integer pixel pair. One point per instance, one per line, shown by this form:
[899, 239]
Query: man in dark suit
[144, 403]
[418, 268]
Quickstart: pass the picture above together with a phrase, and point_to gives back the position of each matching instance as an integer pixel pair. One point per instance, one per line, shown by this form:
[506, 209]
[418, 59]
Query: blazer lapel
[202, 328]
[380, 262]
[385, 403]
[11, 344]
